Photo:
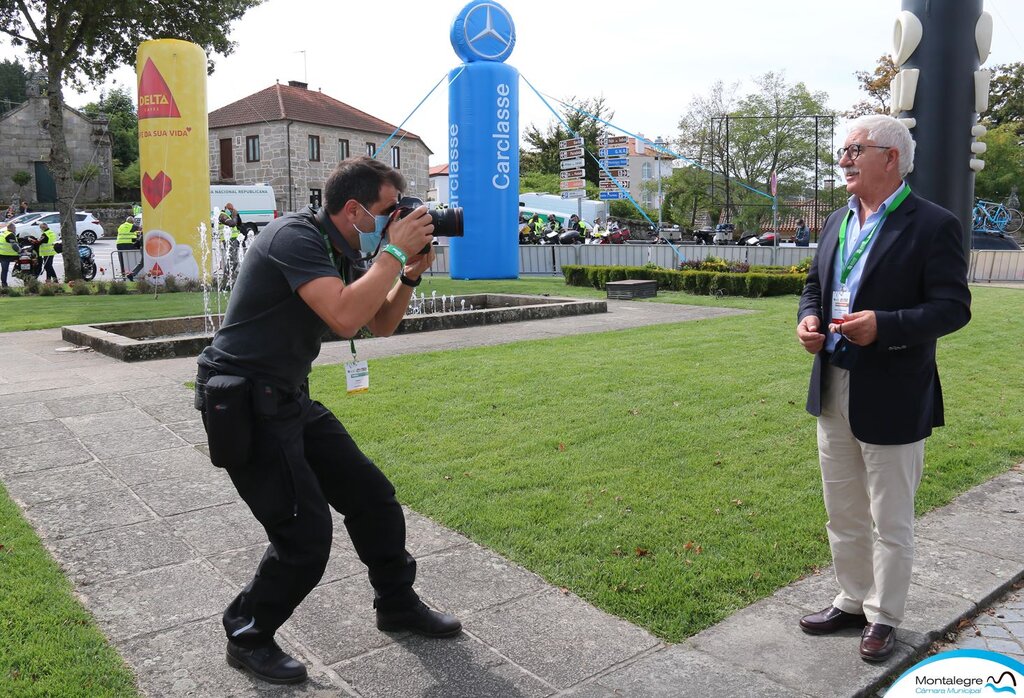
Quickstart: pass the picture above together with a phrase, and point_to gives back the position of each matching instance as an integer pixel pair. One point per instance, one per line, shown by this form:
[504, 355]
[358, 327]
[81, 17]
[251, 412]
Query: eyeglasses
[855, 149]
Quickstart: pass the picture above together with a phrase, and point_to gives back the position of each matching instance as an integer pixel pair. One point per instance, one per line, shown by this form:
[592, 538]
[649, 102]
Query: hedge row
[753, 285]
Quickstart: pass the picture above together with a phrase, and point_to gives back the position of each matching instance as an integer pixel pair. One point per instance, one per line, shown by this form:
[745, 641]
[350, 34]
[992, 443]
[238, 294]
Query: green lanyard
[851, 261]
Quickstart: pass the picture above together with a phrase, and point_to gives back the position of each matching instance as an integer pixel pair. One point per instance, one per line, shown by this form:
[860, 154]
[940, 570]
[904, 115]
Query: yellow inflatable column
[173, 156]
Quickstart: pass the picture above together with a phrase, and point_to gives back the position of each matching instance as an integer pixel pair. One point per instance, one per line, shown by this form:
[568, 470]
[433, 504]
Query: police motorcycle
[29, 264]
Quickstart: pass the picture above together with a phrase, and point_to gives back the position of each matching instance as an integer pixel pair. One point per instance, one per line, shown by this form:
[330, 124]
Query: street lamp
[659, 144]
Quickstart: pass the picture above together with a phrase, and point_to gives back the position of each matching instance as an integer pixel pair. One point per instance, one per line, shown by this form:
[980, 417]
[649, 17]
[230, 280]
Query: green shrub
[101, 287]
[144, 286]
[690, 280]
[81, 289]
[117, 288]
[13, 292]
[32, 286]
[48, 290]
[172, 284]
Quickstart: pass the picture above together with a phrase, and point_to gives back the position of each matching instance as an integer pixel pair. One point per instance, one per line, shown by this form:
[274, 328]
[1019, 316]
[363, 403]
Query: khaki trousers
[869, 496]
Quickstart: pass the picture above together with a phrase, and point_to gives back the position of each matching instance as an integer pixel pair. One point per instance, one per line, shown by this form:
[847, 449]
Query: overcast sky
[648, 58]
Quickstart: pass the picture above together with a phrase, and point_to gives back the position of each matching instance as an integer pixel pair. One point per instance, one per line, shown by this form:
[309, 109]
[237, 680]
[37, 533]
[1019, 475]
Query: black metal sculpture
[938, 45]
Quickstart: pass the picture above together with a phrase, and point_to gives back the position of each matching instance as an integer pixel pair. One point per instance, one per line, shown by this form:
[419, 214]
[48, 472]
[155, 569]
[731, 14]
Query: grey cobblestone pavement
[999, 628]
[156, 542]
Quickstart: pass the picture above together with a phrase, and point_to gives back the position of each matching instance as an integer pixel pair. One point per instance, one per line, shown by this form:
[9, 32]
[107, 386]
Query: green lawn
[49, 645]
[39, 312]
[667, 474]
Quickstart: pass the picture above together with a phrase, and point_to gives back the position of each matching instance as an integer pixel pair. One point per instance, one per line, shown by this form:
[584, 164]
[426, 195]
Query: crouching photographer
[288, 456]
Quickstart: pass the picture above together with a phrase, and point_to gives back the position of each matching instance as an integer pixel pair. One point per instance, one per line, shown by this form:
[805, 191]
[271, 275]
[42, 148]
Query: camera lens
[447, 222]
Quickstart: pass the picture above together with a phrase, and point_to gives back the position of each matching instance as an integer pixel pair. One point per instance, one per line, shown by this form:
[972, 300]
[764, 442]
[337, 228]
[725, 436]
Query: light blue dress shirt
[853, 234]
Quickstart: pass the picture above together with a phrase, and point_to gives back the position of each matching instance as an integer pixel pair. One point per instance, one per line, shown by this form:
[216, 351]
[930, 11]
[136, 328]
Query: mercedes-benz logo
[489, 31]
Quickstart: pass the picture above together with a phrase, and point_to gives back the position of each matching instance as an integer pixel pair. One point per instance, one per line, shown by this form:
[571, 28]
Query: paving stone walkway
[106, 460]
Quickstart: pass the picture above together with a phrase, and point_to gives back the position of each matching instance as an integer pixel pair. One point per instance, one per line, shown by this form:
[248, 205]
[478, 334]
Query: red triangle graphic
[156, 270]
[155, 98]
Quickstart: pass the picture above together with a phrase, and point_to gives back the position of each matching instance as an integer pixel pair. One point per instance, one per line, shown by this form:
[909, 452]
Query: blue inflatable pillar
[483, 144]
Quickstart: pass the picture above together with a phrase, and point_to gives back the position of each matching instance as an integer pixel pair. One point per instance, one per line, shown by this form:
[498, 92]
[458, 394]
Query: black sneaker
[268, 662]
[421, 620]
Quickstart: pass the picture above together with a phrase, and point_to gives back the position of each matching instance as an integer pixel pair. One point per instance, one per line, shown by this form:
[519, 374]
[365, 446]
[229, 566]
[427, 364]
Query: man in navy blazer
[889, 279]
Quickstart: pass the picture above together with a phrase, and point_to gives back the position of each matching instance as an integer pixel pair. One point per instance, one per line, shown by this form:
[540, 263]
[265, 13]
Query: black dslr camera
[447, 222]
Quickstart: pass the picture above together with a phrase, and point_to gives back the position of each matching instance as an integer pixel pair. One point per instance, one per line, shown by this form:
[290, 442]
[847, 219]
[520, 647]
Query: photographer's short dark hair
[361, 179]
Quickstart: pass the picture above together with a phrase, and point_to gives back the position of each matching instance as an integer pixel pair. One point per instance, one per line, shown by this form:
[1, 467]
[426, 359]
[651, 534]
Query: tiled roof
[439, 170]
[291, 102]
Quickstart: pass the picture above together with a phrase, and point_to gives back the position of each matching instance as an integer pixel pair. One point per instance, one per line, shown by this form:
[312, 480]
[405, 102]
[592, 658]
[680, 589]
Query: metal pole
[659, 144]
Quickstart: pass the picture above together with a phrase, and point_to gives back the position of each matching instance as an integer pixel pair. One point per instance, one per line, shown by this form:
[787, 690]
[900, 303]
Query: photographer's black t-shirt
[269, 332]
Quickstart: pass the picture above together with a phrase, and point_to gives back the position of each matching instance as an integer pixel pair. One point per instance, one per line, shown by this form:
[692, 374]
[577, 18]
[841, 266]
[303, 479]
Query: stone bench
[632, 288]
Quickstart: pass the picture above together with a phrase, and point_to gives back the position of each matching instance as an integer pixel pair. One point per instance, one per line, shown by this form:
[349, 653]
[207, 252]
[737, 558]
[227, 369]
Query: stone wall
[272, 167]
[24, 140]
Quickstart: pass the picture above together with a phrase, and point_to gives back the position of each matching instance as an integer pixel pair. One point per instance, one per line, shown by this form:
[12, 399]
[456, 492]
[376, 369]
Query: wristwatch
[411, 283]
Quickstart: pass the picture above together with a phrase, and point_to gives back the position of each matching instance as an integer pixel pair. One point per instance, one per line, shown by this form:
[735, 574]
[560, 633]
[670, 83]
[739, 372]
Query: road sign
[615, 140]
[571, 174]
[606, 195]
[570, 153]
[618, 174]
[571, 184]
[574, 194]
[612, 152]
[572, 164]
[571, 143]
[609, 184]
[615, 162]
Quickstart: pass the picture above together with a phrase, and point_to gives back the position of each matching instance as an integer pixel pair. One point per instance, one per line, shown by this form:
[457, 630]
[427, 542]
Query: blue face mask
[370, 242]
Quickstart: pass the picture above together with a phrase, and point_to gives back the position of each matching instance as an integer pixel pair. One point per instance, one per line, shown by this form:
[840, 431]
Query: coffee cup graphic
[157, 246]
[185, 262]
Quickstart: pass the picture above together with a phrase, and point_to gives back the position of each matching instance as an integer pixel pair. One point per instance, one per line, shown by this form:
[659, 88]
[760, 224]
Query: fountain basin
[165, 338]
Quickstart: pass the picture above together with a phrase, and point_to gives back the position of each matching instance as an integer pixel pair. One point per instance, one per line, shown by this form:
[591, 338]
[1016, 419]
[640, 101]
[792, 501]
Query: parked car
[992, 241]
[25, 218]
[87, 225]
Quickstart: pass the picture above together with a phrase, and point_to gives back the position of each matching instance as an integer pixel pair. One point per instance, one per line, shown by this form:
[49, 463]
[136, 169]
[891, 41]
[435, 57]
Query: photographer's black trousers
[304, 462]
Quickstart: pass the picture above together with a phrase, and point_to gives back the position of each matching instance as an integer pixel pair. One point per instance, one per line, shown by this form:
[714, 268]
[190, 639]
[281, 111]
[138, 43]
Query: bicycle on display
[993, 217]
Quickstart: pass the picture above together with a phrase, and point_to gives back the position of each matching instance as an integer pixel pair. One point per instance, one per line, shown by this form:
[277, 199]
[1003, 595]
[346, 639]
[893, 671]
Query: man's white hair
[886, 130]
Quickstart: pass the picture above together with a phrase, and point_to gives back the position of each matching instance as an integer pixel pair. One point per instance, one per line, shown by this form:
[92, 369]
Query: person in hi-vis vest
[128, 239]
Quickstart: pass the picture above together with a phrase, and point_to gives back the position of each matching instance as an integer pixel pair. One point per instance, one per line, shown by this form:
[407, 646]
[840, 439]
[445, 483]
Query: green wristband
[396, 253]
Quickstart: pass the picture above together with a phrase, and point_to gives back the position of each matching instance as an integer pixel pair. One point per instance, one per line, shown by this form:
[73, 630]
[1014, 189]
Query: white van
[255, 203]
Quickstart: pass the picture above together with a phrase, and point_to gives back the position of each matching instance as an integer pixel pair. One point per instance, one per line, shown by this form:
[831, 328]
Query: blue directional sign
[606, 195]
[615, 162]
[611, 152]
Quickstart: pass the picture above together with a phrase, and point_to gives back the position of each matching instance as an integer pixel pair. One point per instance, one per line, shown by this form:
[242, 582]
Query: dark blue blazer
[915, 279]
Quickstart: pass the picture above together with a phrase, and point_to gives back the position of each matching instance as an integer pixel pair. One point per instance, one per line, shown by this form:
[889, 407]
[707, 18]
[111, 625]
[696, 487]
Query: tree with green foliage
[13, 79]
[584, 117]
[21, 178]
[876, 84]
[123, 126]
[771, 129]
[79, 42]
[1006, 96]
[1004, 163]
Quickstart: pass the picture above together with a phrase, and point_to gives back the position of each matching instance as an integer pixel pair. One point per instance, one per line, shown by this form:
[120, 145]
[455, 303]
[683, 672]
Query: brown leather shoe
[831, 620]
[877, 642]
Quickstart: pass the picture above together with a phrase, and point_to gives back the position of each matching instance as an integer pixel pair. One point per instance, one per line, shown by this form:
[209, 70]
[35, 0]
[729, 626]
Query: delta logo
[155, 98]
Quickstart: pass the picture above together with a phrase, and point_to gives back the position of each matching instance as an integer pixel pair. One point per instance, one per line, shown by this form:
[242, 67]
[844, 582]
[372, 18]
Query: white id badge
[357, 376]
[840, 304]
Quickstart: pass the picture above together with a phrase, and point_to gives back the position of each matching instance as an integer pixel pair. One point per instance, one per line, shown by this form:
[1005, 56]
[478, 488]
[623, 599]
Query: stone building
[25, 147]
[291, 137]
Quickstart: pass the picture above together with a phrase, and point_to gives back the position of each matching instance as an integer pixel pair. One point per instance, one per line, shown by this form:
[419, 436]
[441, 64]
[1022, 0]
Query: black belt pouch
[229, 420]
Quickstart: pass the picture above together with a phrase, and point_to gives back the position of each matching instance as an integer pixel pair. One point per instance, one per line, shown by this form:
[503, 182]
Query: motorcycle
[30, 265]
[615, 237]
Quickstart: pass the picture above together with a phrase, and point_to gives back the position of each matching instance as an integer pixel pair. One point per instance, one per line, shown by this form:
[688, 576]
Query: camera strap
[329, 233]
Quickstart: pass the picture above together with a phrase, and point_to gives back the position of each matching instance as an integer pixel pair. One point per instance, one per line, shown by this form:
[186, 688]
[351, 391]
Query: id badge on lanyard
[840, 304]
[357, 373]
